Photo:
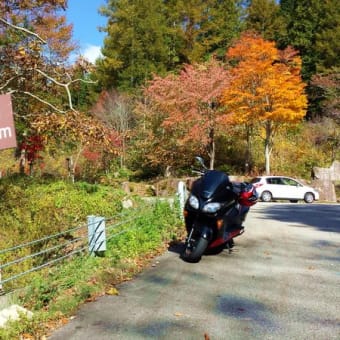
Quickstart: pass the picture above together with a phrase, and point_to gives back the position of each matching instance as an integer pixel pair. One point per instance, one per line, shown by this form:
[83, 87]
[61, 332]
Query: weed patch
[54, 294]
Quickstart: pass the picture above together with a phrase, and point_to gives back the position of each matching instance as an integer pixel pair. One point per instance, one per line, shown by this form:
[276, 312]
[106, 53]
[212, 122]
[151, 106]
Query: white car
[283, 188]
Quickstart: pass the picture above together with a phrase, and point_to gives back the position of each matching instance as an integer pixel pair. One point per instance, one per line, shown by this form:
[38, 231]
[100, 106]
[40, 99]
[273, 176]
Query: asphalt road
[282, 281]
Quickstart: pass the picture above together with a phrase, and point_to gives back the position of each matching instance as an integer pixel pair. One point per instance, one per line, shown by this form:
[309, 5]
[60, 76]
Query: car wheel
[266, 196]
[309, 197]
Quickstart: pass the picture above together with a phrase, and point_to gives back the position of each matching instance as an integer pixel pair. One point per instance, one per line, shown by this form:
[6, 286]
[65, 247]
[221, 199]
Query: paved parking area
[282, 281]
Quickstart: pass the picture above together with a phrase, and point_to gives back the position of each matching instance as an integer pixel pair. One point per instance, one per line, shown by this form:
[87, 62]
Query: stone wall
[323, 180]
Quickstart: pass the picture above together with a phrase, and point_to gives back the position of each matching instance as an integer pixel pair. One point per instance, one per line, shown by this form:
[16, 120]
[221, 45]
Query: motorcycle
[214, 213]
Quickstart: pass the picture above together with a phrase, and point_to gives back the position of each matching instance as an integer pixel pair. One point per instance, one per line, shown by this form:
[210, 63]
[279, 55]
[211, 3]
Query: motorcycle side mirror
[200, 160]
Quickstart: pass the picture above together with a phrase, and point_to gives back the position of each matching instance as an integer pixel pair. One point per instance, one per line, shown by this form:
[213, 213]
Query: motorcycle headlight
[211, 208]
[193, 201]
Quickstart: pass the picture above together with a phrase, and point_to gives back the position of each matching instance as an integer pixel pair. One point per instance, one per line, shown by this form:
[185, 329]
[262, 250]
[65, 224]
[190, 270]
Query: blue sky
[84, 16]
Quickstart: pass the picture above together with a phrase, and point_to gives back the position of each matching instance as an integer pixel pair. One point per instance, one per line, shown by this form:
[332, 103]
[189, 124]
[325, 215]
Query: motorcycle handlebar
[199, 172]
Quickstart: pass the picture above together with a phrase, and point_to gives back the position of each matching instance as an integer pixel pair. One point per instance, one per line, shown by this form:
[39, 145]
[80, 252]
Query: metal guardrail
[89, 238]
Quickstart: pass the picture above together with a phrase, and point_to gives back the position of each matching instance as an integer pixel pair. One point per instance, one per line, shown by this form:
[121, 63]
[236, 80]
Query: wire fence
[21, 260]
[17, 262]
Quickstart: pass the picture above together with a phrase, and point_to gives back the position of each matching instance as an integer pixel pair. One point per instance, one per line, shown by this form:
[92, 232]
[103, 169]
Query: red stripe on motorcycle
[216, 243]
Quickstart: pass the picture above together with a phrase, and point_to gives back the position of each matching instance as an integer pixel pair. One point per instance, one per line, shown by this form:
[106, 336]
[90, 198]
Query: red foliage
[189, 102]
[91, 155]
[32, 146]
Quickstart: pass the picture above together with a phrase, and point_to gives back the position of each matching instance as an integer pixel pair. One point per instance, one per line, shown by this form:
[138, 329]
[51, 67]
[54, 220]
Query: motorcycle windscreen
[212, 183]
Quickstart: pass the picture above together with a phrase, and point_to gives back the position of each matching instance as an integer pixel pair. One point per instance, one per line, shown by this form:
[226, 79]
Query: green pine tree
[136, 44]
[263, 16]
[327, 39]
[155, 36]
[313, 29]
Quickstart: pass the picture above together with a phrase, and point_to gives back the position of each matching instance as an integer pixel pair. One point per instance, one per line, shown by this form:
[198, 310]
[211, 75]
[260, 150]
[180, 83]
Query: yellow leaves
[76, 127]
[22, 51]
[178, 314]
[264, 87]
[252, 47]
[112, 291]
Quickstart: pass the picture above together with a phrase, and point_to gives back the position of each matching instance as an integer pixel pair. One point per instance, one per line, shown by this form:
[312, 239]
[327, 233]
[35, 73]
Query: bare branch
[83, 81]
[65, 85]
[39, 99]
[23, 29]
[7, 82]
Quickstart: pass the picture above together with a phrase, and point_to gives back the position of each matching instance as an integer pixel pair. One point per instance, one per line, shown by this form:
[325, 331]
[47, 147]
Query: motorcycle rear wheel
[193, 253]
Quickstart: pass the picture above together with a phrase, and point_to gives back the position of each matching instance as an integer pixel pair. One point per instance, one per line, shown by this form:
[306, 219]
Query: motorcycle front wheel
[194, 250]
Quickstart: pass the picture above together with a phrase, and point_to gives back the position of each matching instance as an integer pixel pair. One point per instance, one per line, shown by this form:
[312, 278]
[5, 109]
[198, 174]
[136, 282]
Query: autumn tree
[115, 110]
[267, 91]
[35, 44]
[187, 107]
[78, 133]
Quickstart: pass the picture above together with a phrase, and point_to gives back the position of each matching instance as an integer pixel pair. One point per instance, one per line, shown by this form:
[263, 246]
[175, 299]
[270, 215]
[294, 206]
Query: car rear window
[255, 180]
[274, 180]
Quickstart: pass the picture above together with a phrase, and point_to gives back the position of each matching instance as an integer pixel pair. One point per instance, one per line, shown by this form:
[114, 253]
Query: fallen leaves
[112, 291]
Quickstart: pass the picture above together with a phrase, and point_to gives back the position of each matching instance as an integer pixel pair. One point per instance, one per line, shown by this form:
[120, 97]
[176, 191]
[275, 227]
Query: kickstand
[230, 245]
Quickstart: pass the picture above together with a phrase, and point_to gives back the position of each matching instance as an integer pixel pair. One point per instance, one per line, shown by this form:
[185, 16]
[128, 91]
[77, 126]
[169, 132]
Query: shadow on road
[176, 247]
[325, 217]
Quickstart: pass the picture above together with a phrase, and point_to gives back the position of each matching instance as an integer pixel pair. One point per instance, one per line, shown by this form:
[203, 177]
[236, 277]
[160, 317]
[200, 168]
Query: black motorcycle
[214, 213]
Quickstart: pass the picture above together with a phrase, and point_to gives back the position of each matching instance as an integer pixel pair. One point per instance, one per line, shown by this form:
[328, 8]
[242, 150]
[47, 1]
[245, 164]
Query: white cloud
[91, 53]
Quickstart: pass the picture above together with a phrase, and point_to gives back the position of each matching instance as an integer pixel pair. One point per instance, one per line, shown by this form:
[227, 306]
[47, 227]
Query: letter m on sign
[7, 130]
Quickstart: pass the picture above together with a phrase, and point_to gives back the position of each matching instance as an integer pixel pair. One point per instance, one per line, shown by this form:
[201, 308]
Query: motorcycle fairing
[213, 183]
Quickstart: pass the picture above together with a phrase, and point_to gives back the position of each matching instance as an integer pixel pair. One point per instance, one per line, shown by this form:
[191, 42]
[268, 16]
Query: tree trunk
[249, 156]
[212, 148]
[70, 168]
[268, 146]
[22, 161]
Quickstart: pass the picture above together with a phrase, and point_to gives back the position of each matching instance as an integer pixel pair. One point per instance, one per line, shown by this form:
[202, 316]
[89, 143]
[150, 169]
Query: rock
[323, 180]
[13, 313]
[127, 204]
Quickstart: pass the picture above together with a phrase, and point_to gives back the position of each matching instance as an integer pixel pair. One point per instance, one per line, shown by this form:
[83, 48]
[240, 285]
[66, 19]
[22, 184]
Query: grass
[54, 294]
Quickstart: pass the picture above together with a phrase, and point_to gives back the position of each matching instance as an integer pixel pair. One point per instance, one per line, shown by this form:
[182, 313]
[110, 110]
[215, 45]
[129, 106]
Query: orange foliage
[266, 86]
[267, 89]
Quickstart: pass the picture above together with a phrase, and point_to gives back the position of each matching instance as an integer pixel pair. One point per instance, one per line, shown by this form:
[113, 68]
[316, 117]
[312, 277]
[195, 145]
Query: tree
[187, 107]
[327, 37]
[155, 37]
[35, 44]
[313, 29]
[79, 133]
[137, 43]
[327, 94]
[266, 90]
[202, 28]
[115, 111]
[263, 16]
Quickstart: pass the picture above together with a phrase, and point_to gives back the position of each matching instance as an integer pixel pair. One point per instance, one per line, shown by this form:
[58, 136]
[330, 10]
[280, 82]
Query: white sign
[7, 130]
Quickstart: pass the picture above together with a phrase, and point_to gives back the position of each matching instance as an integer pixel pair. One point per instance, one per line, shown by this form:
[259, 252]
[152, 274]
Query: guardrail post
[96, 234]
[182, 195]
